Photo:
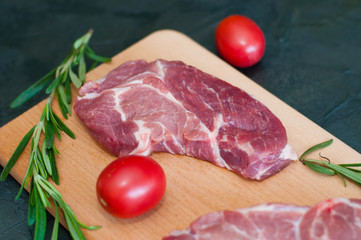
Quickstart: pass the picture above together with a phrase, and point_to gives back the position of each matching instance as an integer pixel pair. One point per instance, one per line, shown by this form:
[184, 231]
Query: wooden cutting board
[194, 187]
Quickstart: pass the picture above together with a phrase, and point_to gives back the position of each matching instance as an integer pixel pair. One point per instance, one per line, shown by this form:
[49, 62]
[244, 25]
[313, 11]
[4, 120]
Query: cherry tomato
[131, 186]
[240, 41]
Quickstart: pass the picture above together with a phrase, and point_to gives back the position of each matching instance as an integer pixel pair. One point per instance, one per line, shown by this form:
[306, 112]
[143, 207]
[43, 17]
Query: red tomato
[131, 186]
[240, 41]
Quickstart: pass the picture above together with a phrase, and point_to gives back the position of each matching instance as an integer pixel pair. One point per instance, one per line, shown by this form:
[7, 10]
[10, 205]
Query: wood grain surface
[194, 187]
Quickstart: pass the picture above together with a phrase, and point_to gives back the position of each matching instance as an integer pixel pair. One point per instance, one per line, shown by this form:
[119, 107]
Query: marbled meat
[332, 219]
[168, 106]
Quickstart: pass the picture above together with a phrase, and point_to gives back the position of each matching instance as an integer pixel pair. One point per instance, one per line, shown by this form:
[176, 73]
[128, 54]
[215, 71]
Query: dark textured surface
[312, 60]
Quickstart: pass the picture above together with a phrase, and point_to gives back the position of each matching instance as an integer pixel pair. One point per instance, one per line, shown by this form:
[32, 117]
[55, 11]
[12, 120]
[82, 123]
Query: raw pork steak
[333, 219]
[168, 106]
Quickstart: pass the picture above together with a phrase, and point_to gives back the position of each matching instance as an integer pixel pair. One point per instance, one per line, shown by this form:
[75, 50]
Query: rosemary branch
[326, 167]
[42, 159]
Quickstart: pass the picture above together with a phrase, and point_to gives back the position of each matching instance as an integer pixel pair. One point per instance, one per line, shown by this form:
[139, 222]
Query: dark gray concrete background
[312, 60]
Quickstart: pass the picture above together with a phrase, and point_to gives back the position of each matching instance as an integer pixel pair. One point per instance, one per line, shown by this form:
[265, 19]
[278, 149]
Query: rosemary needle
[42, 159]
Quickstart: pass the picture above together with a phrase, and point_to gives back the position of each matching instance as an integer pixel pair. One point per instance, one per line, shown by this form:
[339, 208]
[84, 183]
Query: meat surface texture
[333, 219]
[168, 106]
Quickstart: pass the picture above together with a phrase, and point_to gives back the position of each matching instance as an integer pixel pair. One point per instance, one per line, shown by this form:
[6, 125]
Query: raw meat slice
[333, 219]
[266, 221]
[336, 218]
[168, 106]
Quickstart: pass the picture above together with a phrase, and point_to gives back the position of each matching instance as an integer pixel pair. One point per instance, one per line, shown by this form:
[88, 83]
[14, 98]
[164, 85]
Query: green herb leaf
[31, 214]
[83, 41]
[342, 178]
[63, 127]
[316, 147]
[49, 134]
[346, 172]
[91, 54]
[55, 150]
[33, 90]
[26, 179]
[40, 164]
[319, 168]
[79, 223]
[88, 227]
[82, 69]
[78, 43]
[54, 169]
[354, 170]
[40, 222]
[63, 102]
[55, 124]
[64, 76]
[42, 194]
[31, 207]
[54, 234]
[68, 91]
[46, 160]
[15, 156]
[350, 165]
[53, 85]
[75, 79]
[74, 229]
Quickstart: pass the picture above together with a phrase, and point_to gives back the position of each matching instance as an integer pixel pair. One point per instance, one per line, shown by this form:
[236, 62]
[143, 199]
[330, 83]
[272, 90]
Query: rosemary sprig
[42, 159]
[328, 168]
